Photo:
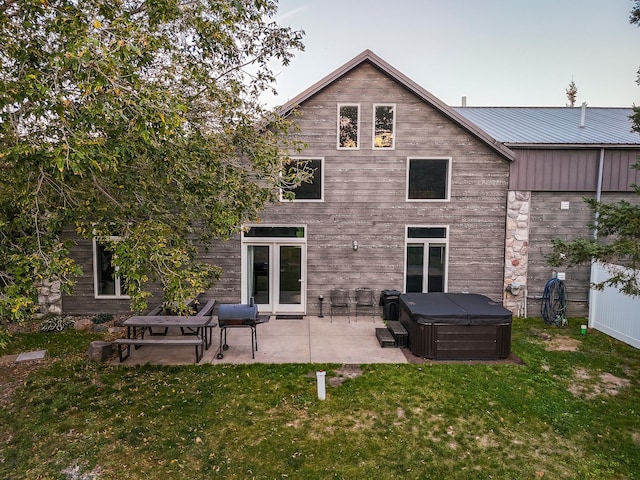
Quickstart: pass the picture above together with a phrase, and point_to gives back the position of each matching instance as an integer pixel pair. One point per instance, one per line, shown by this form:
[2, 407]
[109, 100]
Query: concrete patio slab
[309, 340]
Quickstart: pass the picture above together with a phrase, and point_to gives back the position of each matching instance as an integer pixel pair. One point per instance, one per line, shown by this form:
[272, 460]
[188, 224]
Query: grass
[557, 416]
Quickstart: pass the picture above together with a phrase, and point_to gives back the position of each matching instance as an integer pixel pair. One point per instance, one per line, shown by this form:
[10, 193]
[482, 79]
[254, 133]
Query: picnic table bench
[196, 330]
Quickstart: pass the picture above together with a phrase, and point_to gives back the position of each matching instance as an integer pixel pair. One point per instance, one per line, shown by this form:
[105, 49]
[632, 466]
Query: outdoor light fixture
[355, 244]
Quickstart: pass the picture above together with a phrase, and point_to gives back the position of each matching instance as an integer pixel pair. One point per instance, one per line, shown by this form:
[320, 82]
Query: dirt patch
[563, 344]
[590, 386]
[344, 373]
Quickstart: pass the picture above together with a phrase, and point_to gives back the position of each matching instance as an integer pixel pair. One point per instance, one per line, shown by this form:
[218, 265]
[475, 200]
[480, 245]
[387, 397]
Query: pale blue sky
[494, 52]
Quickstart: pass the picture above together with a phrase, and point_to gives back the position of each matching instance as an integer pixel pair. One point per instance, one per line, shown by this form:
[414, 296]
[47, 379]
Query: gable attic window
[107, 282]
[313, 189]
[348, 127]
[384, 123]
[428, 179]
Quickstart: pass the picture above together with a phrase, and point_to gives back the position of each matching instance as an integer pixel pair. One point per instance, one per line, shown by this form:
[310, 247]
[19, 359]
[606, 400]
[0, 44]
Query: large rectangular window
[313, 188]
[348, 126]
[107, 281]
[426, 260]
[428, 179]
[384, 126]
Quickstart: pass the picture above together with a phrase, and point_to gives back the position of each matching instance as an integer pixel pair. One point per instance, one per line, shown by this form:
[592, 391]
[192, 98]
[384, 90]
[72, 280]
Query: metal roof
[555, 125]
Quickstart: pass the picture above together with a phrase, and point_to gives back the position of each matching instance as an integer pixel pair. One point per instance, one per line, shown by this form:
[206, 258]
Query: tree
[127, 120]
[572, 93]
[618, 241]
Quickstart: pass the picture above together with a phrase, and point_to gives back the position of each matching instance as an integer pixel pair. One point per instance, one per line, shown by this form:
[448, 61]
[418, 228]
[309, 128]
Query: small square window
[313, 189]
[348, 126]
[428, 179]
[384, 126]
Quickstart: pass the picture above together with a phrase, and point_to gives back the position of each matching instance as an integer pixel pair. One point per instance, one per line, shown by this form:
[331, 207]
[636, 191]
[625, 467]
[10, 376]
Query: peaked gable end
[368, 57]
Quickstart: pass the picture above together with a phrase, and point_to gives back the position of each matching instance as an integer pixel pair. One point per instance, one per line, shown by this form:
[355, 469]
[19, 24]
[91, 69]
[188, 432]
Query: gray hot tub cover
[453, 309]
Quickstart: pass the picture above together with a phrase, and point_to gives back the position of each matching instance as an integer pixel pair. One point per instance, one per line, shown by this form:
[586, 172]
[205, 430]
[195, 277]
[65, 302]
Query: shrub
[56, 324]
[102, 318]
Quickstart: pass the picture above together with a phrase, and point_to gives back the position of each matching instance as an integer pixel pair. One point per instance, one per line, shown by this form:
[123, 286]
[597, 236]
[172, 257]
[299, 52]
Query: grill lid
[240, 311]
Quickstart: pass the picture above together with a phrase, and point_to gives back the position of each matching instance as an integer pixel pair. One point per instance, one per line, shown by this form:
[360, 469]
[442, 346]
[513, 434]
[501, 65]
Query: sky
[494, 52]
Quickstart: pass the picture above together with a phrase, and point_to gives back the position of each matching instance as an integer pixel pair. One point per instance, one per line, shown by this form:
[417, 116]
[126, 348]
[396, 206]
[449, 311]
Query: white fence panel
[612, 312]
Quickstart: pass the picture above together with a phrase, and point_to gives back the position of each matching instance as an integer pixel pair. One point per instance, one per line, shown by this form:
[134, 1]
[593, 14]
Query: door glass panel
[290, 275]
[258, 273]
[415, 267]
[435, 279]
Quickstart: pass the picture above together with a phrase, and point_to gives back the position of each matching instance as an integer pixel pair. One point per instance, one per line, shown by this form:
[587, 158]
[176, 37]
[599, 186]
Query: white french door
[274, 275]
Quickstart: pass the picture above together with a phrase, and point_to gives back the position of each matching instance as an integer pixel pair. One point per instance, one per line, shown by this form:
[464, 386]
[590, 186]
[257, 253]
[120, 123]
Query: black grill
[239, 316]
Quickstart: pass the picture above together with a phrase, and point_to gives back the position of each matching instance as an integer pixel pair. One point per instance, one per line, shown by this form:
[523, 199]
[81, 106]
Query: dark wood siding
[617, 175]
[365, 195]
[572, 170]
[549, 221]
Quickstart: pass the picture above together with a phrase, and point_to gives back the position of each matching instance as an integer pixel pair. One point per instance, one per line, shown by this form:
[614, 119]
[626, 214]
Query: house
[562, 155]
[407, 193]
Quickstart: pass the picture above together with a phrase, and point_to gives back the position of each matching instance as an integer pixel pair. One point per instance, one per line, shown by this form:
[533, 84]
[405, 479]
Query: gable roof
[555, 125]
[369, 57]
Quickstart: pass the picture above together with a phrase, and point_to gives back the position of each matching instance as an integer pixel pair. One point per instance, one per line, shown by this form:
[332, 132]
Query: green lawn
[563, 414]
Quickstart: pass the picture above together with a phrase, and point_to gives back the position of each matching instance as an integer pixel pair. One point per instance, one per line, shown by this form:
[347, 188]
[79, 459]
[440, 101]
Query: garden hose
[554, 303]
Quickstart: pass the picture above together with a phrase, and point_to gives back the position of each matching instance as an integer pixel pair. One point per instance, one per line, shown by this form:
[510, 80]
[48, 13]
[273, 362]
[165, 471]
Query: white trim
[308, 200]
[274, 258]
[117, 287]
[429, 200]
[340, 105]
[426, 242]
[373, 139]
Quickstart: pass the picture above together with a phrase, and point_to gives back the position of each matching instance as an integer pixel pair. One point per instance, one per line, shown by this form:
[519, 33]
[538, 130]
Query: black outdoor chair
[365, 300]
[340, 300]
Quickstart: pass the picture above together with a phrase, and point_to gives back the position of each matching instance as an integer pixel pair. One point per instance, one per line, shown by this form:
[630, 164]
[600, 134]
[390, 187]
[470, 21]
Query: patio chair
[365, 300]
[340, 299]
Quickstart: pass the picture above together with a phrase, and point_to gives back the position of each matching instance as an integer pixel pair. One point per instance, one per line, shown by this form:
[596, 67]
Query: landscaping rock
[100, 351]
[83, 325]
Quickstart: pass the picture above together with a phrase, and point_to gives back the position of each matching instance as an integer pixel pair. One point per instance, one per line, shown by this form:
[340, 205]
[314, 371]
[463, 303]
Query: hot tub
[462, 326]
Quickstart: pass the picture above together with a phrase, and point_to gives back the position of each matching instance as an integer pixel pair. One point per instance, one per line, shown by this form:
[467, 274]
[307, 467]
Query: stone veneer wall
[516, 254]
[50, 298]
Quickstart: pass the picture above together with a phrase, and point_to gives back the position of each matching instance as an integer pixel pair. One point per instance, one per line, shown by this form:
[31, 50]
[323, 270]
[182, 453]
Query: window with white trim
[348, 126]
[107, 282]
[426, 259]
[428, 179]
[311, 190]
[384, 125]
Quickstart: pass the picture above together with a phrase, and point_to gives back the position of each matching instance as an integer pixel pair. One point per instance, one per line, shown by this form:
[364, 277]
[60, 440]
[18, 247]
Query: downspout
[595, 234]
[598, 192]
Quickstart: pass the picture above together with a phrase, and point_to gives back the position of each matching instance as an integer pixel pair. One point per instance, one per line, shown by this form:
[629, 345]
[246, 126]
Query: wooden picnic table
[191, 325]
[196, 330]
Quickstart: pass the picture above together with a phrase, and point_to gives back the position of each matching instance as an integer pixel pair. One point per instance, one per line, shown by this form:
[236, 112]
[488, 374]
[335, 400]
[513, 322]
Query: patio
[307, 340]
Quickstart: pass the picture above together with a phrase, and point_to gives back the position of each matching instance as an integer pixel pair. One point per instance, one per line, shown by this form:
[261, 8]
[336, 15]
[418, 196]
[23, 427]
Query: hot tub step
[399, 333]
[385, 338]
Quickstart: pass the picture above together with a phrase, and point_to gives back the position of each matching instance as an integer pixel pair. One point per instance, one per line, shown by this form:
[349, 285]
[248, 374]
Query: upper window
[384, 123]
[348, 126]
[107, 282]
[312, 189]
[428, 179]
